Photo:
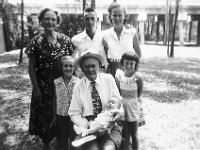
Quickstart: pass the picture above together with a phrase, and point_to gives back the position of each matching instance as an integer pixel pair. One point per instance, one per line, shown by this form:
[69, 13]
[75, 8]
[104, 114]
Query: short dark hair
[88, 10]
[130, 55]
[43, 12]
[116, 5]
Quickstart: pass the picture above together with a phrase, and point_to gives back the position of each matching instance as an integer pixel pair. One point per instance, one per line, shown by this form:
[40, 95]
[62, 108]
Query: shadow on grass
[17, 83]
[10, 139]
[182, 80]
[8, 58]
[167, 96]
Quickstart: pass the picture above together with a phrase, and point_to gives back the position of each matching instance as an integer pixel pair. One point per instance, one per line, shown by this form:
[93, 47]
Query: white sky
[140, 2]
[124, 2]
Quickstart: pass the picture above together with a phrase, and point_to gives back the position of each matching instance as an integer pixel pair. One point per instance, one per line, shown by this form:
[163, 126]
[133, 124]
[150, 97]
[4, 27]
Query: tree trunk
[93, 4]
[174, 30]
[84, 3]
[198, 33]
[22, 34]
[170, 28]
[166, 33]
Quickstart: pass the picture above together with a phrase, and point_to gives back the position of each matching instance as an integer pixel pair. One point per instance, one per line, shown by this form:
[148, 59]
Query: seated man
[90, 96]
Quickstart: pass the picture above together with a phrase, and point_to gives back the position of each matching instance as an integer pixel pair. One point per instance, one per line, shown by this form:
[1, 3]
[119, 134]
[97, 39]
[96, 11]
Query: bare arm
[140, 86]
[33, 77]
[136, 45]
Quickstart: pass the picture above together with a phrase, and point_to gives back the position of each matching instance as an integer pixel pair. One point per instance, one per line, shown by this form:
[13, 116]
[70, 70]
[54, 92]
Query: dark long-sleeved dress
[47, 57]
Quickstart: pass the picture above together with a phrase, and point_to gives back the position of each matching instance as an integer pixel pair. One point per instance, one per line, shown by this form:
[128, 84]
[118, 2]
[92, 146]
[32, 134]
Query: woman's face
[117, 16]
[49, 21]
[68, 67]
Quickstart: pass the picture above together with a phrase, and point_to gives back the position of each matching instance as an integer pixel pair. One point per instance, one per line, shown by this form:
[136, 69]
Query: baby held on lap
[103, 121]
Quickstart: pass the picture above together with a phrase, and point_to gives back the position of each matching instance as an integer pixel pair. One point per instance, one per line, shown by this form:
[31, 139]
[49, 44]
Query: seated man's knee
[93, 145]
[109, 145]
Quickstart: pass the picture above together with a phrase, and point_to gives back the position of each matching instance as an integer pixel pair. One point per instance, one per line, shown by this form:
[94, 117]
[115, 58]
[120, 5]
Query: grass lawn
[170, 99]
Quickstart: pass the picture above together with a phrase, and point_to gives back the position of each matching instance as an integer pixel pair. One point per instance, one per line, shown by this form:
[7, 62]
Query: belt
[114, 60]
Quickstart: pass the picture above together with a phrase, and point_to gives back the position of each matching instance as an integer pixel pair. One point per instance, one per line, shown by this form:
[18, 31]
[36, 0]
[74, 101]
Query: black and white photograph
[99, 74]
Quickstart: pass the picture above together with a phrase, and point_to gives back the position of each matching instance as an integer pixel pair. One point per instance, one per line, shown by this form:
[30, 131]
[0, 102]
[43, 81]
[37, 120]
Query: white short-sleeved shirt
[82, 42]
[116, 47]
[81, 104]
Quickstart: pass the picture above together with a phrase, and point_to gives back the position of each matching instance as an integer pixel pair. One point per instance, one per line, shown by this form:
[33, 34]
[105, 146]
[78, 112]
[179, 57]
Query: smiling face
[117, 16]
[113, 104]
[90, 21]
[129, 67]
[90, 67]
[49, 21]
[68, 66]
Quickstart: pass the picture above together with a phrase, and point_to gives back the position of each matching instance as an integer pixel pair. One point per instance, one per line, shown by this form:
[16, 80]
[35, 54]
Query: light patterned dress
[64, 95]
[129, 92]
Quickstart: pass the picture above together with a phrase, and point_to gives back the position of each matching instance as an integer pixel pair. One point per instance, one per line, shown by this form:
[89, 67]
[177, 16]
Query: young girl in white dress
[130, 85]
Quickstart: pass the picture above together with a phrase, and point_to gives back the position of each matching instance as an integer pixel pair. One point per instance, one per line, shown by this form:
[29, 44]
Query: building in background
[148, 16]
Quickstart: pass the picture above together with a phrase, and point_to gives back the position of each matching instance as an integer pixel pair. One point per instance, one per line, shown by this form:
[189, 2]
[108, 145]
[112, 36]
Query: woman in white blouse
[119, 38]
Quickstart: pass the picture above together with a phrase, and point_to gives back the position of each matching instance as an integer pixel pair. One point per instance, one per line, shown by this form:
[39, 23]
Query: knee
[109, 147]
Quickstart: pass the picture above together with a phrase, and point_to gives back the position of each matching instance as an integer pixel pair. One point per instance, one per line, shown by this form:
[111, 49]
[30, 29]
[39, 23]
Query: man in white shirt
[91, 37]
[82, 106]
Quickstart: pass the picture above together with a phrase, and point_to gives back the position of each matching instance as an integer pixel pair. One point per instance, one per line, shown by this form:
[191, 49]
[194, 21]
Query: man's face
[90, 21]
[90, 67]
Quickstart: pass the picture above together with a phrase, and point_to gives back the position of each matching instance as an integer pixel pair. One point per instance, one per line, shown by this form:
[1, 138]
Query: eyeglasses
[89, 66]
[50, 19]
[69, 66]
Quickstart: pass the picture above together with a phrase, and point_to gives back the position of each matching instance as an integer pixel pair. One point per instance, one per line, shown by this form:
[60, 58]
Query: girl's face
[68, 67]
[49, 21]
[129, 67]
[117, 16]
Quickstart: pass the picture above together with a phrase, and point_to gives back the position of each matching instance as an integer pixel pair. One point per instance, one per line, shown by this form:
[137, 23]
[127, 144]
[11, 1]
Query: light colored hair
[113, 6]
[117, 100]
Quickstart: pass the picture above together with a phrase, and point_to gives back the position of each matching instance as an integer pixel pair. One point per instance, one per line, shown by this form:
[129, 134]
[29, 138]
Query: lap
[101, 143]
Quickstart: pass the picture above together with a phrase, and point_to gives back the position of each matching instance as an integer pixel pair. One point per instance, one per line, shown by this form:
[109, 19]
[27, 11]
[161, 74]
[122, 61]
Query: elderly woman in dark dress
[44, 51]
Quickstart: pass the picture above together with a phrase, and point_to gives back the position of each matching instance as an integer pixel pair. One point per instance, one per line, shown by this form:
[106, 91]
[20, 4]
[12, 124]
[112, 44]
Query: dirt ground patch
[171, 126]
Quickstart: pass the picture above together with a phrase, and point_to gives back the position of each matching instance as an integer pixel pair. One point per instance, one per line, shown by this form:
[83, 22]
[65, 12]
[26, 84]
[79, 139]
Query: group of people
[106, 85]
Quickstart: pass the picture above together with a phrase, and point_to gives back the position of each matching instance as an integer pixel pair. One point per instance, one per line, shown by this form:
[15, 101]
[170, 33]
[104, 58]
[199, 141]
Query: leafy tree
[11, 26]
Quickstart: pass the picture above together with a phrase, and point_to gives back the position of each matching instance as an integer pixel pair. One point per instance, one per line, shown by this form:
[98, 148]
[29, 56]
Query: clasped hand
[116, 116]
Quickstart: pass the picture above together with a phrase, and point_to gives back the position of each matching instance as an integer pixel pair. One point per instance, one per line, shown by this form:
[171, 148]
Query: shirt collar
[88, 82]
[124, 30]
[72, 81]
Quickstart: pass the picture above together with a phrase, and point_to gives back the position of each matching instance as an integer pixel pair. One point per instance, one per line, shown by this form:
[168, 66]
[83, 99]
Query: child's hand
[115, 117]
